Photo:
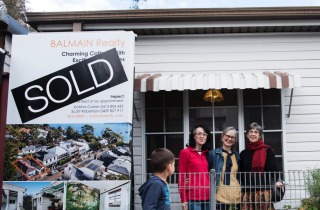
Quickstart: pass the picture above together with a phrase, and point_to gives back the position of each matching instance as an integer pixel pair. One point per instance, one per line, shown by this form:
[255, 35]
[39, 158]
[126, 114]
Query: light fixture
[213, 95]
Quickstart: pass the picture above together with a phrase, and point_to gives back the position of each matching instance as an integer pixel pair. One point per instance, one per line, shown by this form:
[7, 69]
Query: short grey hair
[255, 125]
[229, 128]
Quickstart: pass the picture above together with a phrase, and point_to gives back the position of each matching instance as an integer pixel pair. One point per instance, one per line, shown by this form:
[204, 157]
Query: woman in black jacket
[259, 171]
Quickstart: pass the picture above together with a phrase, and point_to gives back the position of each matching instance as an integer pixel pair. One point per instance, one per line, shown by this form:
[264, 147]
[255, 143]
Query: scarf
[228, 168]
[259, 156]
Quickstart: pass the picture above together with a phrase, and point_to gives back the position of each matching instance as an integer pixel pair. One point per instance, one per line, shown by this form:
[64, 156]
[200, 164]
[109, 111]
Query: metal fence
[241, 194]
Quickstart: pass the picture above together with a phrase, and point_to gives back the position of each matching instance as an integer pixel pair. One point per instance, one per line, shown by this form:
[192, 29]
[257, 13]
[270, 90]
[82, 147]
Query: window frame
[241, 125]
[113, 197]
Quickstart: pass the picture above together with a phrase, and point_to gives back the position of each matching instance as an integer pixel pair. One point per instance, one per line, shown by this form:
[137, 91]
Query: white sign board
[71, 77]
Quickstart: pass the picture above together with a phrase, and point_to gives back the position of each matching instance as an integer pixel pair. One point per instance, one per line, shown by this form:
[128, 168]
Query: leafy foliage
[117, 177]
[15, 8]
[88, 132]
[136, 4]
[313, 183]
[80, 196]
[10, 154]
[95, 145]
[313, 187]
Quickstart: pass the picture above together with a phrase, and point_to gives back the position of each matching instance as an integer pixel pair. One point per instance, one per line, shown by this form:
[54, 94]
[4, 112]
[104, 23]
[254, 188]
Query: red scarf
[259, 156]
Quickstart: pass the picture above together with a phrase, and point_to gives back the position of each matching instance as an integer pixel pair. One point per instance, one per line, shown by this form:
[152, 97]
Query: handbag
[276, 193]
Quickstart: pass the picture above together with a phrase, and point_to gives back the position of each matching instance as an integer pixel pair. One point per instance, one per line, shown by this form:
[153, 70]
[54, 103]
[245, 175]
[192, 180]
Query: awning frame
[212, 80]
[204, 81]
[290, 103]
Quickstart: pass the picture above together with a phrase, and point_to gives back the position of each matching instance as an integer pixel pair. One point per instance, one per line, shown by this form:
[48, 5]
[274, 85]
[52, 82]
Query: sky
[32, 187]
[123, 129]
[90, 5]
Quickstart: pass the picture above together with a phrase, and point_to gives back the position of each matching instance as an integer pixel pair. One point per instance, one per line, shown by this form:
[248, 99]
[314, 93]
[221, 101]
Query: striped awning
[205, 81]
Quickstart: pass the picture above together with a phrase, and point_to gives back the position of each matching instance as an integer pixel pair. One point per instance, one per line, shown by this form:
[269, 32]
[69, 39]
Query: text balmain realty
[87, 43]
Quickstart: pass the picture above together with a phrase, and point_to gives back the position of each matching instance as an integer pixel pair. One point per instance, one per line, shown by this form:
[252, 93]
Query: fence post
[212, 189]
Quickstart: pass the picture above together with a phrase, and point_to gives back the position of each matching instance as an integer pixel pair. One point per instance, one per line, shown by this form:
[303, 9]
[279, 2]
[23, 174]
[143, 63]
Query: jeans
[198, 205]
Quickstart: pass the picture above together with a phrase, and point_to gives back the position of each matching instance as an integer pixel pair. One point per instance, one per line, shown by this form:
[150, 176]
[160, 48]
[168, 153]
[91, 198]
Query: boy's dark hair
[192, 142]
[160, 159]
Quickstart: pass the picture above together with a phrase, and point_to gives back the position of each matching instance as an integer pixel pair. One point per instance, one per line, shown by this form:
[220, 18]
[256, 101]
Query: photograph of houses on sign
[66, 195]
[51, 152]
[91, 195]
[81, 196]
[33, 195]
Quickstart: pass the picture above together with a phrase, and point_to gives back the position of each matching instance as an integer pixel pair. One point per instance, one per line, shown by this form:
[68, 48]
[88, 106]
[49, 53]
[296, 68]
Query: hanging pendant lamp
[213, 95]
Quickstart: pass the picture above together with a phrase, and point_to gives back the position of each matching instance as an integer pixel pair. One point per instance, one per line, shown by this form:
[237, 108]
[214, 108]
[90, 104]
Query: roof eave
[179, 15]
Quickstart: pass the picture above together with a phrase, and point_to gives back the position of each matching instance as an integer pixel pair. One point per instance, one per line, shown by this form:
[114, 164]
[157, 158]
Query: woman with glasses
[225, 162]
[259, 170]
[193, 170]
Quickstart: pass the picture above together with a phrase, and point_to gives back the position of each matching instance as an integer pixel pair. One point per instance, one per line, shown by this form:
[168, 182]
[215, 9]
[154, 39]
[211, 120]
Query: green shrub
[313, 187]
[313, 183]
[311, 203]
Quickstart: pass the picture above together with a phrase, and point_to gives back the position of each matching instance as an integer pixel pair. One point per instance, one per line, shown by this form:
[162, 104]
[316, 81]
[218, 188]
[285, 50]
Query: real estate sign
[71, 77]
[70, 114]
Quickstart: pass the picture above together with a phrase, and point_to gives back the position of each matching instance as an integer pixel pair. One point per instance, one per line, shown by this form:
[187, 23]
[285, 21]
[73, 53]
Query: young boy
[155, 191]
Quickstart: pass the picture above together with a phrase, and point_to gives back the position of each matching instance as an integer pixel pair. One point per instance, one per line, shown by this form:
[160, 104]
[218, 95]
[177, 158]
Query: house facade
[264, 61]
[70, 147]
[28, 149]
[59, 152]
[12, 196]
[49, 197]
[48, 159]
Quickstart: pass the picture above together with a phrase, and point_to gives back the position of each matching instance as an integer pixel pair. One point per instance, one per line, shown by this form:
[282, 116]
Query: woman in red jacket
[193, 170]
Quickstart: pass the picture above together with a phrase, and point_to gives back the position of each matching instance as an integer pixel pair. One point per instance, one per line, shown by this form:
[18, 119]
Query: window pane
[230, 98]
[174, 120]
[272, 118]
[224, 117]
[175, 144]
[271, 97]
[172, 142]
[279, 162]
[200, 116]
[251, 97]
[154, 120]
[174, 99]
[196, 99]
[252, 114]
[174, 177]
[154, 99]
[149, 169]
[274, 140]
[211, 140]
[154, 142]
[218, 142]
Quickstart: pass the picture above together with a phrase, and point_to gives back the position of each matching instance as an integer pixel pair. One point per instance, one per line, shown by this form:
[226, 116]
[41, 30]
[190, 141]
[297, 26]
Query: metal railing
[240, 191]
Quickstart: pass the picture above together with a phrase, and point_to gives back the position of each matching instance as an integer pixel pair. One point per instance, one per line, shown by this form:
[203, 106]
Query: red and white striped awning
[205, 81]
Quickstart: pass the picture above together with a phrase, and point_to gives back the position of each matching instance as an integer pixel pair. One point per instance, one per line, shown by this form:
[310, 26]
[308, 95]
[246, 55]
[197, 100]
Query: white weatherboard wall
[293, 53]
